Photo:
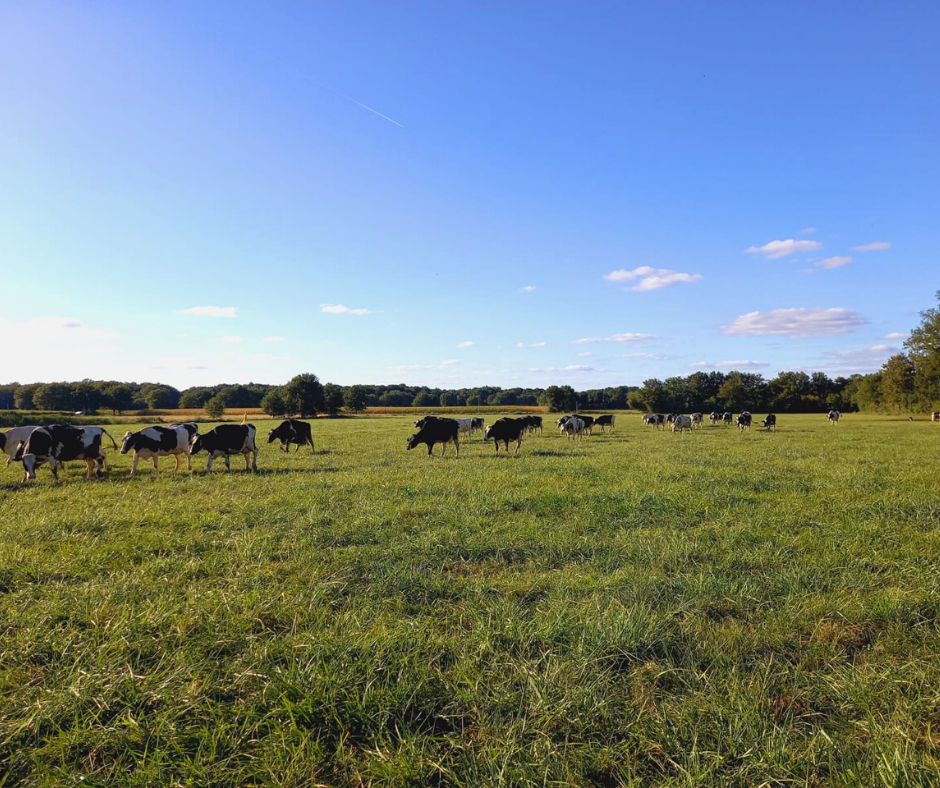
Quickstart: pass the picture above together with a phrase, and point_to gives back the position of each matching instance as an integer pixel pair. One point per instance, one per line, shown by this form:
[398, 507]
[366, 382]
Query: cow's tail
[113, 442]
[245, 419]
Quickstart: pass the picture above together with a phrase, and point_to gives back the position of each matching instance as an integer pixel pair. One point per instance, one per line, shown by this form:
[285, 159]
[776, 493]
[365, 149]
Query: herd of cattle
[60, 443]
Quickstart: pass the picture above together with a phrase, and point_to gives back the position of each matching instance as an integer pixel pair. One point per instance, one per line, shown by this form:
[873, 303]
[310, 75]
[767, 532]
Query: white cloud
[450, 361]
[520, 344]
[585, 355]
[834, 262]
[466, 344]
[738, 366]
[875, 246]
[537, 344]
[210, 311]
[776, 249]
[897, 335]
[653, 356]
[577, 368]
[797, 323]
[864, 360]
[650, 278]
[232, 340]
[527, 289]
[626, 337]
[274, 339]
[807, 231]
[341, 309]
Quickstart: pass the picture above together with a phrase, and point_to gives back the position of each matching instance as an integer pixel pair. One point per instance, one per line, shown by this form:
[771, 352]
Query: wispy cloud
[527, 289]
[626, 337]
[342, 309]
[875, 246]
[864, 360]
[650, 278]
[807, 231]
[357, 103]
[738, 366]
[274, 339]
[777, 249]
[210, 311]
[652, 356]
[232, 340]
[569, 368]
[797, 323]
[898, 335]
[537, 344]
[833, 262]
[449, 361]
[585, 355]
[462, 345]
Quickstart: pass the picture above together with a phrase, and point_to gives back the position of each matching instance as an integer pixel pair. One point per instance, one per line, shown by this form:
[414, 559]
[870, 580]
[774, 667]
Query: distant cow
[61, 443]
[744, 421]
[476, 423]
[714, 418]
[158, 442]
[226, 440]
[292, 431]
[589, 422]
[834, 416]
[696, 420]
[935, 416]
[12, 438]
[436, 430]
[505, 430]
[533, 423]
[574, 428]
[727, 418]
[680, 422]
[657, 420]
[605, 421]
[770, 423]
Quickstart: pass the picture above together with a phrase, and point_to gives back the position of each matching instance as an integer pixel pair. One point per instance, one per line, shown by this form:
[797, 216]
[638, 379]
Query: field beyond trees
[639, 608]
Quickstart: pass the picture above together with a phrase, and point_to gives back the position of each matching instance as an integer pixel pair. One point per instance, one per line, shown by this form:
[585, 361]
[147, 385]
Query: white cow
[834, 416]
[696, 420]
[12, 438]
[573, 428]
[682, 423]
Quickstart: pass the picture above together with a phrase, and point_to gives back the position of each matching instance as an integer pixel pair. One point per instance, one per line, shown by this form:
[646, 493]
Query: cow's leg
[156, 464]
[457, 446]
[189, 459]
[518, 445]
[254, 459]
[134, 463]
[54, 467]
[209, 464]
[89, 466]
[178, 459]
[228, 462]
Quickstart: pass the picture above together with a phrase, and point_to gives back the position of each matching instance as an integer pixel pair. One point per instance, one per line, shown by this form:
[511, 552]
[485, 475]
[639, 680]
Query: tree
[651, 396]
[273, 403]
[119, 398]
[158, 397]
[448, 398]
[215, 407]
[559, 398]
[87, 397]
[897, 382]
[333, 398]
[355, 399]
[54, 396]
[923, 347]
[23, 397]
[304, 395]
[424, 399]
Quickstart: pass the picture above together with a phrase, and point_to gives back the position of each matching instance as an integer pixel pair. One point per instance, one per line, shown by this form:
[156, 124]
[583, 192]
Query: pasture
[640, 608]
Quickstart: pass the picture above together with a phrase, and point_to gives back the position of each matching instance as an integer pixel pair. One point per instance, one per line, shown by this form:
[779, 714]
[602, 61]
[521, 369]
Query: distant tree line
[908, 381]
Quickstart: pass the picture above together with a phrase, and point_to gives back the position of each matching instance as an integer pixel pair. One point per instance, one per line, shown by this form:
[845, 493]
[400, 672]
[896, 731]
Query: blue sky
[460, 194]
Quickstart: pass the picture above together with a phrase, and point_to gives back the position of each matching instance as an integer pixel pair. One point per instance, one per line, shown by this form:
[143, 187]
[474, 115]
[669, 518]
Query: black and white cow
[834, 416]
[714, 418]
[292, 431]
[58, 444]
[505, 430]
[158, 441]
[12, 438]
[680, 423]
[605, 421]
[226, 440]
[574, 428]
[727, 418]
[476, 423]
[696, 420]
[770, 423]
[436, 430]
[744, 421]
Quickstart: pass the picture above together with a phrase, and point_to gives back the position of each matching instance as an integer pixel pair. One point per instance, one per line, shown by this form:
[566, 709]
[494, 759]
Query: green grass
[640, 608]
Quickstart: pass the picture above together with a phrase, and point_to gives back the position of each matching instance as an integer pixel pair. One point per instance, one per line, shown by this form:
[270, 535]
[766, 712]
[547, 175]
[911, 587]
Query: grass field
[640, 608]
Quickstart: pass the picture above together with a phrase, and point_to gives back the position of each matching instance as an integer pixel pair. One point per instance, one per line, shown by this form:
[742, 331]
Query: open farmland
[640, 608]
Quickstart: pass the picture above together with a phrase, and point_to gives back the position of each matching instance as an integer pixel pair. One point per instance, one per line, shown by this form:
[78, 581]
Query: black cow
[605, 421]
[770, 423]
[506, 430]
[744, 421]
[58, 444]
[159, 442]
[292, 431]
[727, 418]
[226, 440]
[533, 423]
[436, 430]
[427, 419]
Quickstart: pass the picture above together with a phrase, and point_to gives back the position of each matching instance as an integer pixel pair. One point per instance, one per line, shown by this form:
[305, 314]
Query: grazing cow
[158, 442]
[533, 423]
[476, 423]
[770, 423]
[696, 420]
[505, 430]
[464, 426]
[12, 438]
[935, 416]
[605, 421]
[589, 422]
[680, 422]
[714, 418]
[744, 421]
[436, 430]
[657, 420]
[649, 418]
[428, 419]
[574, 428]
[226, 440]
[292, 431]
[834, 416]
[61, 443]
[727, 418]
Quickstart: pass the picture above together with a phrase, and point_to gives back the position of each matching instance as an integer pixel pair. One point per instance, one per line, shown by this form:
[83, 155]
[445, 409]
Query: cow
[680, 422]
[12, 438]
[292, 431]
[436, 430]
[744, 421]
[657, 420]
[464, 426]
[58, 444]
[605, 421]
[727, 418]
[770, 423]
[649, 418]
[533, 423]
[574, 428]
[935, 416]
[476, 423]
[226, 440]
[155, 442]
[589, 422]
[507, 429]
[696, 420]
[714, 418]
[834, 416]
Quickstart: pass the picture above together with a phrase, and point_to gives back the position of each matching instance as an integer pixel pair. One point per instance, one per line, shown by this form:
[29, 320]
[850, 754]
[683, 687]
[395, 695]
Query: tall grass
[639, 608]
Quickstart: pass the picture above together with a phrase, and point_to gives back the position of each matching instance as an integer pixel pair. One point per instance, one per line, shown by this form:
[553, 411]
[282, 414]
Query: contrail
[358, 103]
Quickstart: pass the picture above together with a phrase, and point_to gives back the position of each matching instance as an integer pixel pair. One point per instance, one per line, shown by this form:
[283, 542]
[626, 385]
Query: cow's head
[195, 445]
[126, 442]
[272, 435]
[412, 441]
[30, 463]
[486, 433]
